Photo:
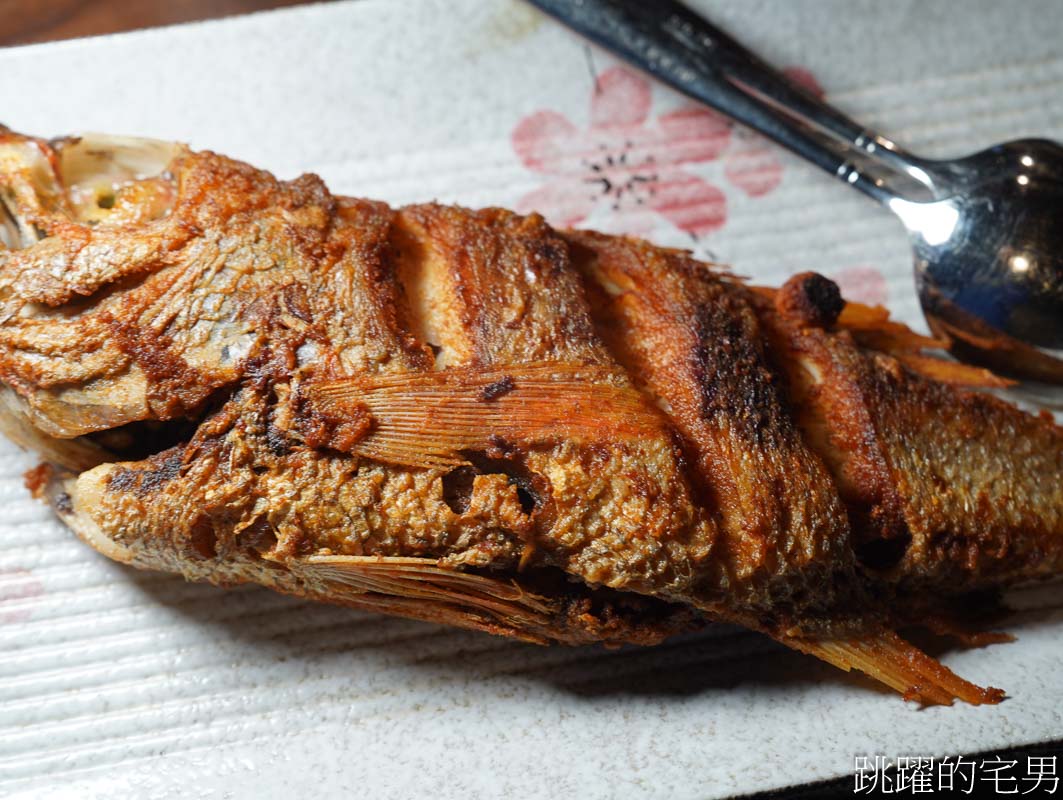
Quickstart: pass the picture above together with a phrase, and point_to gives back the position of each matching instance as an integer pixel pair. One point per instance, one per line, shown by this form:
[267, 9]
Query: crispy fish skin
[945, 487]
[695, 343]
[268, 300]
[470, 418]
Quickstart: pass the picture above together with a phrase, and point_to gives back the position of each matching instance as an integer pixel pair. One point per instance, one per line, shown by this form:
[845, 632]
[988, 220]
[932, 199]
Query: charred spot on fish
[547, 255]
[202, 540]
[63, 503]
[810, 299]
[533, 489]
[497, 389]
[277, 441]
[165, 467]
[730, 368]
[501, 450]
[122, 480]
[528, 500]
[162, 468]
[457, 488]
[883, 553]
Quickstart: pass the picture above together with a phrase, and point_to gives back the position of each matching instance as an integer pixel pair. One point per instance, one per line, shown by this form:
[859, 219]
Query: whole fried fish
[471, 418]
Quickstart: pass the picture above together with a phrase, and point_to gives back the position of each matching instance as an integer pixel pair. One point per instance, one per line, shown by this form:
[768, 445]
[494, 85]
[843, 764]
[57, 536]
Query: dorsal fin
[428, 419]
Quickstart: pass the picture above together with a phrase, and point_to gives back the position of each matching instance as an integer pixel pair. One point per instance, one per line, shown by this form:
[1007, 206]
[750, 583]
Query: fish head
[77, 215]
[91, 179]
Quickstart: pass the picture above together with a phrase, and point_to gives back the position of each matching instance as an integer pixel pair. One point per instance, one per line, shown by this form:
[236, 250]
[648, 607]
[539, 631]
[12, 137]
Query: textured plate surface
[116, 683]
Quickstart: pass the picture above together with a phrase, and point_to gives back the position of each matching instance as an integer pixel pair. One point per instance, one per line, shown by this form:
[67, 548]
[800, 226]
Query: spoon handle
[690, 54]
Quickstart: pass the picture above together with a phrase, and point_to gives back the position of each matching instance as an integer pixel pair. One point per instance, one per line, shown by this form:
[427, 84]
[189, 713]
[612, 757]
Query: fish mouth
[81, 179]
[95, 168]
[73, 455]
[74, 472]
[70, 494]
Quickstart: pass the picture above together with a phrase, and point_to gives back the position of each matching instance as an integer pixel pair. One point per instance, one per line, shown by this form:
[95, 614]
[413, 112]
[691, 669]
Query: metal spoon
[986, 230]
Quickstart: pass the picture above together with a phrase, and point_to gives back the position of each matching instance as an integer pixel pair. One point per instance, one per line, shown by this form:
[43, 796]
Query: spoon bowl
[989, 256]
[986, 230]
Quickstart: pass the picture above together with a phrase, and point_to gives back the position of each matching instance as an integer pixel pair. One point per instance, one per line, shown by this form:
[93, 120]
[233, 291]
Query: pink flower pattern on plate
[863, 284]
[637, 169]
[17, 584]
[752, 163]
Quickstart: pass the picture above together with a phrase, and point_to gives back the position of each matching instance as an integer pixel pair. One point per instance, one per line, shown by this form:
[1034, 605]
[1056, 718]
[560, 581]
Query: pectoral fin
[428, 419]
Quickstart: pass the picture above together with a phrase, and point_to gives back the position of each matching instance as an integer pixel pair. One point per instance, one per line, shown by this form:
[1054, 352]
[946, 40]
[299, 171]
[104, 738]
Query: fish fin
[872, 328]
[902, 666]
[944, 625]
[421, 589]
[954, 373]
[428, 419]
[873, 325]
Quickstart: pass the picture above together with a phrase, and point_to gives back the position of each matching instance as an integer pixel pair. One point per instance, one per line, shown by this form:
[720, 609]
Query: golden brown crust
[279, 288]
[514, 297]
[693, 341]
[947, 488]
[468, 417]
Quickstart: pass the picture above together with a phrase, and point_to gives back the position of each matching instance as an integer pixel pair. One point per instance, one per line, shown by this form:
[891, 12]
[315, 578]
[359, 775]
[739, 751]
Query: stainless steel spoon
[986, 230]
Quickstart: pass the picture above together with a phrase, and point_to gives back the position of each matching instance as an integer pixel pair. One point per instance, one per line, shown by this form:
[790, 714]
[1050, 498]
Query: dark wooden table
[26, 21]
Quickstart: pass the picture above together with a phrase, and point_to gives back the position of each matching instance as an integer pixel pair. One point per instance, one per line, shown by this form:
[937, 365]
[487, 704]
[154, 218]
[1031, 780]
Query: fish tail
[899, 664]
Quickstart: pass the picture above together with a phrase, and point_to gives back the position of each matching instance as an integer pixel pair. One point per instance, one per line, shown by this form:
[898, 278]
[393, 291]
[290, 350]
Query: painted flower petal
[17, 584]
[689, 203]
[563, 203]
[621, 98]
[691, 134]
[753, 165]
[863, 284]
[545, 142]
[635, 222]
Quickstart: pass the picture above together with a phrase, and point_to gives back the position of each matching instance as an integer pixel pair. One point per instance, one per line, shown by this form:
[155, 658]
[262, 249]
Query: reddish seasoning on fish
[471, 418]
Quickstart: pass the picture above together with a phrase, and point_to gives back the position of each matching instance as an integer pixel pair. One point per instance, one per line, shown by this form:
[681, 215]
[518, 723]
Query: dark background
[27, 21]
